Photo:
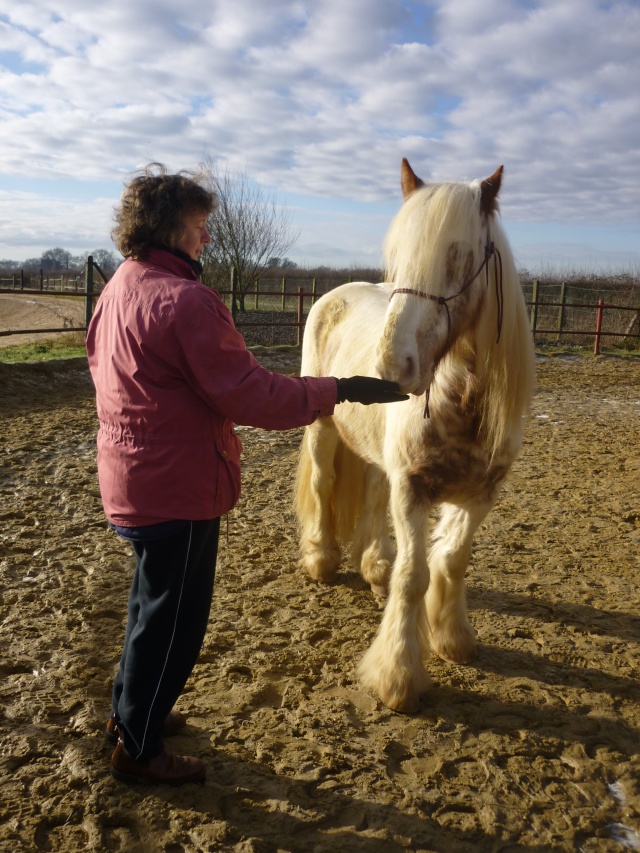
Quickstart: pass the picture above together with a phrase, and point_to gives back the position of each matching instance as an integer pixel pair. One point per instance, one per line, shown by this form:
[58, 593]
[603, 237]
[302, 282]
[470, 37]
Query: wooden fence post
[234, 288]
[300, 317]
[313, 291]
[284, 284]
[635, 319]
[534, 307]
[563, 289]
[599, 313]
[88, 301]
[257, 285]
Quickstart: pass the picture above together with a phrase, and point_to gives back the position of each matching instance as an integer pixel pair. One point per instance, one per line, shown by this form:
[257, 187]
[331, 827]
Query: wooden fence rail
[591, 326]
[87, 293]
[71, 282]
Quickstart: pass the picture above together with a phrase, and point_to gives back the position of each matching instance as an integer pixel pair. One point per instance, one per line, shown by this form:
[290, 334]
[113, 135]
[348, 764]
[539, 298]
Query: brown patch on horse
[334, 313]
[385, 345]
[455, 477]
[450, 458]
[455, 256]
[409, 181]
[489, 190]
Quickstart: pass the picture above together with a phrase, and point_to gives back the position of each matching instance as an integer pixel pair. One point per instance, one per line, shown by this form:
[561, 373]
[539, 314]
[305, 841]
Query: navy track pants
[169, 607]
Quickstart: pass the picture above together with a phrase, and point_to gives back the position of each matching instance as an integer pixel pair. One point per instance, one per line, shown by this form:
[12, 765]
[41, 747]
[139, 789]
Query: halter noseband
[489, 251]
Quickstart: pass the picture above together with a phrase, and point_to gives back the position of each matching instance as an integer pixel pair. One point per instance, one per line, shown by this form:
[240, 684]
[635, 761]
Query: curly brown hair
[153, 208]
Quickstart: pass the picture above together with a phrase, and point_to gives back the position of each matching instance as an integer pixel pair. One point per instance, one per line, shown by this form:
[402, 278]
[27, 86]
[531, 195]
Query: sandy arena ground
[24, 310]
[535, 747]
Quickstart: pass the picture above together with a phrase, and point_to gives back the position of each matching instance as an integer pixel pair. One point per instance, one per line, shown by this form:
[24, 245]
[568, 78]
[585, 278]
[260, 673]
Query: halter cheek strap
[489, 252]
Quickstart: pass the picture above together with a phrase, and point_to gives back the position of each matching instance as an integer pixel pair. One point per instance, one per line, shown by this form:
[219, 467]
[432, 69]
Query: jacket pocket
[229, 446]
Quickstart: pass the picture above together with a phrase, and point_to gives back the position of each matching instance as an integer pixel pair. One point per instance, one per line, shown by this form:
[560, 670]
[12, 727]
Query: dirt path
[32, 311]
[536, 747]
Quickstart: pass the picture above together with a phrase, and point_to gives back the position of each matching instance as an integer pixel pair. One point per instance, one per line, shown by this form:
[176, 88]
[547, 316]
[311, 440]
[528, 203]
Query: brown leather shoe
[172, 725]
[163, 769]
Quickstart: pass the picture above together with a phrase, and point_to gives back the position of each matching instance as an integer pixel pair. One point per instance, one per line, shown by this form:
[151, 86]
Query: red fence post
[599, 313]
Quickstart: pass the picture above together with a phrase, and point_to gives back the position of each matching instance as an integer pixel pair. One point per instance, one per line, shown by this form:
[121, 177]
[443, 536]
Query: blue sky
[319, 100]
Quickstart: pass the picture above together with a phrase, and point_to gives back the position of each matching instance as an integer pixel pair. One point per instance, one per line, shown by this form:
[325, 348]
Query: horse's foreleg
[372, 548]
[320, 553]
[393, 667]
[450, 632]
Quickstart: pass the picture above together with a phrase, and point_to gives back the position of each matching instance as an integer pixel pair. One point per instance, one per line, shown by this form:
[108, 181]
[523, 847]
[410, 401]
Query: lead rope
[426, 416]
[499, 289]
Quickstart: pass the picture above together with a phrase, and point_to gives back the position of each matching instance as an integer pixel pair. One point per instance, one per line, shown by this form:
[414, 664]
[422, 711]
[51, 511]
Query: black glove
[366, 390]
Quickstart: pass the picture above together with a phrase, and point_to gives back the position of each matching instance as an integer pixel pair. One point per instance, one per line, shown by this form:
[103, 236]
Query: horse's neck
[488, 376]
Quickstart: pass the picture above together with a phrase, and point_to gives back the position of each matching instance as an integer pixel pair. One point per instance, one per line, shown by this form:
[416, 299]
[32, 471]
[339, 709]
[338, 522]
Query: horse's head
[437, 246]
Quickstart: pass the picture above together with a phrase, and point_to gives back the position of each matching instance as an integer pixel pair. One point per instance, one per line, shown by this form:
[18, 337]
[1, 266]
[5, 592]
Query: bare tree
[106, 260]
[56, 259]
[247, 230]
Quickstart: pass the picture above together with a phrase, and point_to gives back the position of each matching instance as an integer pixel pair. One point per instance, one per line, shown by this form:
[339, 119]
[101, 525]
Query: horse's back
[342, 329]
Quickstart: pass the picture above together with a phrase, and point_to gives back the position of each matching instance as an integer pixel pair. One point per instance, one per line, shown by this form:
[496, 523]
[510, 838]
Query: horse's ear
[408, 179]
[489, 190]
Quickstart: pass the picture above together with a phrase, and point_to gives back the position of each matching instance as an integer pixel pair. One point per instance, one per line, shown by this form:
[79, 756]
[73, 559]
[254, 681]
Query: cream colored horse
[451, 327]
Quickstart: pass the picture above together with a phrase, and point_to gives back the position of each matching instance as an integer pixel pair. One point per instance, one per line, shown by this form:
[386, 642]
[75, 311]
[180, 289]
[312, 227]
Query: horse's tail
[303, 496]
[348, 492]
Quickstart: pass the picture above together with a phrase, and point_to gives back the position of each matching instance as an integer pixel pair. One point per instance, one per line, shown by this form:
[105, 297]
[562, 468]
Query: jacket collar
[174, 261]
[196, 266]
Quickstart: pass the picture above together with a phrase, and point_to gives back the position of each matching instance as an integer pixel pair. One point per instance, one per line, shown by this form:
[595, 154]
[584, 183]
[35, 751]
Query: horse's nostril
[403, 369]
[410, 367]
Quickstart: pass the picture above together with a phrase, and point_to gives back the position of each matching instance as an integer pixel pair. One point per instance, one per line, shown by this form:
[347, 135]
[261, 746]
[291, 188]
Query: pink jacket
[172, 376]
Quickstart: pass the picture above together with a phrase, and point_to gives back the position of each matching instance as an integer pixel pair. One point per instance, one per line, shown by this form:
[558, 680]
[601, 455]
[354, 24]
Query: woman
[172, 376]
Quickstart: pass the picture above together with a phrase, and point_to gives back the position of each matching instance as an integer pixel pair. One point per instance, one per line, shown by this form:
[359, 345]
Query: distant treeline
[61, 261]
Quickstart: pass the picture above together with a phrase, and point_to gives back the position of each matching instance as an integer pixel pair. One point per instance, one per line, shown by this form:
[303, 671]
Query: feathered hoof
[409, 704]
[401, 694]
[458, 649]
[322, 565]
[376, 571]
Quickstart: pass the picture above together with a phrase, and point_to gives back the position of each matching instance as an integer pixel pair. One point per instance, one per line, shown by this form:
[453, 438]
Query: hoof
[405, 699]
[380, 589]
[410, 705]
[455, 653]
[322, 567]
[406, 703]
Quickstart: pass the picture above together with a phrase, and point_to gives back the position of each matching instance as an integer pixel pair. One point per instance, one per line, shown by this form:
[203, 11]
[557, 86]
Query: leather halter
[489, 251]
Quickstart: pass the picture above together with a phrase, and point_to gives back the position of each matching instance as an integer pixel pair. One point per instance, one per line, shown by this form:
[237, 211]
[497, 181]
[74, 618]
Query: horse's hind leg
[320, 553]
[372, 548]
[451, 635]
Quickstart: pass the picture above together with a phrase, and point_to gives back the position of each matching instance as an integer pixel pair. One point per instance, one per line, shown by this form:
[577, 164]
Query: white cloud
[31, 223]
[323, 97]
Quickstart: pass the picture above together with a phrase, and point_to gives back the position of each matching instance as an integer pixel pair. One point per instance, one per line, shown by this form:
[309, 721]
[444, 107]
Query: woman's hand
[367, 390]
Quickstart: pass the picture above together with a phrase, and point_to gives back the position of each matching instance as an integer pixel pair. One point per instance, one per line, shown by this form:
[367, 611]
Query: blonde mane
[416, 254]
[415, 248]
